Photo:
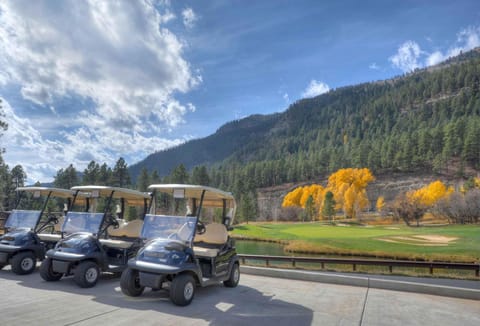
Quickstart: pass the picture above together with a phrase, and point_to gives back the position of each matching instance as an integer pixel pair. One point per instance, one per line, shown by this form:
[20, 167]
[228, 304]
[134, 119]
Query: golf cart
[30, 227]
[183, 250]
[94, 240]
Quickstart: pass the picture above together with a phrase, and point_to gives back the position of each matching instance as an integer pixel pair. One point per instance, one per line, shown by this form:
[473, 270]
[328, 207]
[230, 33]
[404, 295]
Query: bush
[459, 208]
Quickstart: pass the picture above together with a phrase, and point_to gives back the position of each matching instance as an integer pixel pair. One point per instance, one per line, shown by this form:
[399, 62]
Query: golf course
[450, 243]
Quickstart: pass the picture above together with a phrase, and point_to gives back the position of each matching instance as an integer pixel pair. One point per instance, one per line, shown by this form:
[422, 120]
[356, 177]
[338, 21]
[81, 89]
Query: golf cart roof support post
[198, 213]
[224, 210]
[153, 201]
[145, 208]
[107, 206]
[43, 210]
[122, 207]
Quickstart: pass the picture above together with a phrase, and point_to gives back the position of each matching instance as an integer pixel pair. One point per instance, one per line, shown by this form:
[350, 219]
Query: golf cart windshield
[169, 227]
[20, 219]
[82, 222]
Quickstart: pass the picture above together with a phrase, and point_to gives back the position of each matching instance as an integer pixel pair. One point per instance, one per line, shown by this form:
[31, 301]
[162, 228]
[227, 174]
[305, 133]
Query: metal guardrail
[365, 262]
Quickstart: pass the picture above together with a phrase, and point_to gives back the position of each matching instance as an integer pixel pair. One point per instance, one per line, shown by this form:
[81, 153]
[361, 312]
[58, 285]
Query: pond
[249, 247]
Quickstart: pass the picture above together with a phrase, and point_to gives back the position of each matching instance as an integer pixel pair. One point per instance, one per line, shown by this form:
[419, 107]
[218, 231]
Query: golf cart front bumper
[61, 261]
[148, 267]
[6, 251]
[5, 248]
[153, 275]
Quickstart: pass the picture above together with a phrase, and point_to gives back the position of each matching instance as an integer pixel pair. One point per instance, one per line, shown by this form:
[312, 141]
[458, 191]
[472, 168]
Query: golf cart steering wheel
[201, 227]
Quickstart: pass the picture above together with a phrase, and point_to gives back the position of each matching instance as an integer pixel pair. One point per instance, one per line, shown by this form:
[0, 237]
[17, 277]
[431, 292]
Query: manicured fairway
[446, 243]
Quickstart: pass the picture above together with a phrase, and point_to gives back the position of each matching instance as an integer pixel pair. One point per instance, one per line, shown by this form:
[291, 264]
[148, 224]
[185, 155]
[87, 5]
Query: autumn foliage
[347, 185]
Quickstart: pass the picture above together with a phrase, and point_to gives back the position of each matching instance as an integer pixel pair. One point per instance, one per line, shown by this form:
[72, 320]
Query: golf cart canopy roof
[44, 191]
[193, 191]
[214, 198]
[104, 191]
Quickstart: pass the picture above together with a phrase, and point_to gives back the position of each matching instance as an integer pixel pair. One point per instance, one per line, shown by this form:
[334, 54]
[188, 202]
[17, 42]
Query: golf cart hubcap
[27, 263]
[236, 274]
[188, 291]
[91, 275]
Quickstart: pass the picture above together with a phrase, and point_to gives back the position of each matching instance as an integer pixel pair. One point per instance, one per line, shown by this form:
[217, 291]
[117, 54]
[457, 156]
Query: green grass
[366, 241]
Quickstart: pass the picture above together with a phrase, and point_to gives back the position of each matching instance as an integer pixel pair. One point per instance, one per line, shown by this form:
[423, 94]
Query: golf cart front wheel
[86, 274]
[47, 273]
[130, 283]
[24, 263]
[182, 289]
[234, 277]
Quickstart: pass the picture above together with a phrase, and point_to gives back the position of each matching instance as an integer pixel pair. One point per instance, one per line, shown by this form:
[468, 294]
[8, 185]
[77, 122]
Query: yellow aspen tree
[380, 204]
[293, 197]
[349, 189]
[430, 194]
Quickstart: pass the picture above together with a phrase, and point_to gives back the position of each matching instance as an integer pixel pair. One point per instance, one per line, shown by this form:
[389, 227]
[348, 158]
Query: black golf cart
[31, 227]
[95, 240]
[187, 243]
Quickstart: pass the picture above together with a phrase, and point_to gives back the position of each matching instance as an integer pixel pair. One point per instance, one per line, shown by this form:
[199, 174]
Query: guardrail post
[390, 268]
[354, 267]
[293, 262]
[323, 265]
[477, 271]
[267, 262]
[431, 269]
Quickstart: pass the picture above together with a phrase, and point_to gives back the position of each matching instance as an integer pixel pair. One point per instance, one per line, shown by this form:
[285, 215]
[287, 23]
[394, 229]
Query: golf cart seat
[209, 243]
[53, 237]
[49, 237]
[130, 230]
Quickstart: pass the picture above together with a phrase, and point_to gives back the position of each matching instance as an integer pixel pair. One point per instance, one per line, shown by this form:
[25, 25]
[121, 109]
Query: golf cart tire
[23, 263]
[86, 274]
[2, 266]
[47, 273]
[234, 277]
[182, 289]
[130, 283]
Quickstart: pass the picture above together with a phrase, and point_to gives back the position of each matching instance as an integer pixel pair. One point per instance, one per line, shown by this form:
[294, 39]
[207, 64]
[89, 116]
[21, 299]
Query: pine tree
[328, 209]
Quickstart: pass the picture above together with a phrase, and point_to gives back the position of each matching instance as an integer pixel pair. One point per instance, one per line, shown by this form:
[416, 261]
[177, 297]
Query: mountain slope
[420, 121]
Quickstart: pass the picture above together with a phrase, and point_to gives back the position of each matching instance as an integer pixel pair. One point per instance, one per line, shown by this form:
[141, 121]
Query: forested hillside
[428, 120]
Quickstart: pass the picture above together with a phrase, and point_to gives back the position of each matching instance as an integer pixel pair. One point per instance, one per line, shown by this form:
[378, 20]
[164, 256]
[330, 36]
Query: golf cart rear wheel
[130, 283]
[86, 274]
[182, 289]
[234, 277]
[24, 263]
[47, 273]
[2, 266]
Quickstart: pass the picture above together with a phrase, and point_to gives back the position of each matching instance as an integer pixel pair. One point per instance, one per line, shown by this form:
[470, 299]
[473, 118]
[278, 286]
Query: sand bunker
[428, 240]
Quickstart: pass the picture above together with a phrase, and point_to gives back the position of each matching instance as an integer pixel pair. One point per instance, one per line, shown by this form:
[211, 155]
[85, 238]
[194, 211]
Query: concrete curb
[371, 282]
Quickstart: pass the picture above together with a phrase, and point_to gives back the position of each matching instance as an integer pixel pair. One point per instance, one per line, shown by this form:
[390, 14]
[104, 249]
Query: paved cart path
[28, 300]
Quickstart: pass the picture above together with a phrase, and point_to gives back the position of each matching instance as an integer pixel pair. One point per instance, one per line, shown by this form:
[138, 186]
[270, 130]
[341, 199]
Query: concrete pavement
[258, 300]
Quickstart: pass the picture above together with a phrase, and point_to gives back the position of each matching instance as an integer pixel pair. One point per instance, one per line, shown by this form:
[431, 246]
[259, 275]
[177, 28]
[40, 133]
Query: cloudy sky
[98, 80]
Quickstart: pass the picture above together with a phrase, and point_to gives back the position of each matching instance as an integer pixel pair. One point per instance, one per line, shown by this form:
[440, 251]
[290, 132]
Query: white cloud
[42, 157]
[116, 53]
[374, 66]
[118, 56]
[189, 17]
[407, 56]
[286, 97]
[315, 88]
[410, 56]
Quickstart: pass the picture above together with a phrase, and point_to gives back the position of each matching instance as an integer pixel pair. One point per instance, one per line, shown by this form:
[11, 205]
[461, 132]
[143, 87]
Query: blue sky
[99, 80]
